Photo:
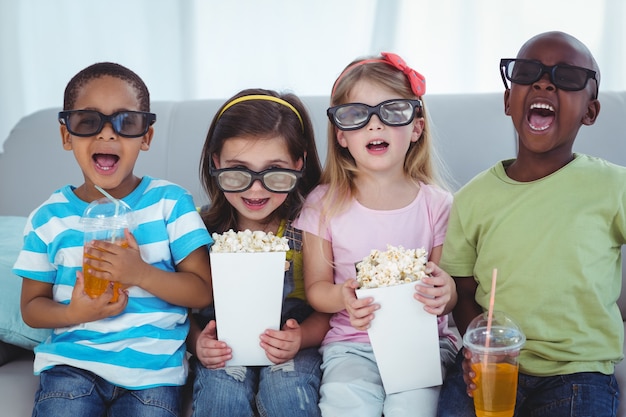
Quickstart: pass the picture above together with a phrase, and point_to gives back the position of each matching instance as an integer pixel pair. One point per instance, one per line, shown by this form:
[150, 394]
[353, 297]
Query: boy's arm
[466, 307]
[191, 287]
[40, 310]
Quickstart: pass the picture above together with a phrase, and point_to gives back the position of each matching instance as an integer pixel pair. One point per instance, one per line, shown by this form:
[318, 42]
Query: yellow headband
[262, 97]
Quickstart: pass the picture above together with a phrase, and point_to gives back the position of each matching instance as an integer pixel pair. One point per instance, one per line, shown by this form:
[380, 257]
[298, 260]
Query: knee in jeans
[288, 366]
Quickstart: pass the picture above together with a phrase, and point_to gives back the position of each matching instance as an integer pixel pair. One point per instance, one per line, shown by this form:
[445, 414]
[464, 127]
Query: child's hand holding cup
[495, 349]
[104, 219]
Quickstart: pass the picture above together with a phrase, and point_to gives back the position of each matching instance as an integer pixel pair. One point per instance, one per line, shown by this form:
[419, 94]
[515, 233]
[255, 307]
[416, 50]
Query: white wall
[193, 49]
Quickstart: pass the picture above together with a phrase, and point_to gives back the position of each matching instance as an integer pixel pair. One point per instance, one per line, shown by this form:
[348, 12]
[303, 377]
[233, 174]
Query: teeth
[377, 142]
[541, 106]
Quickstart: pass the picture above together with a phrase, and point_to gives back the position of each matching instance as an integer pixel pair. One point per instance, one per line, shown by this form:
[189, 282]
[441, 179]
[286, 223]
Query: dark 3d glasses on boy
[236, 180]
[563, 76]
[352, 116]
[130, 124]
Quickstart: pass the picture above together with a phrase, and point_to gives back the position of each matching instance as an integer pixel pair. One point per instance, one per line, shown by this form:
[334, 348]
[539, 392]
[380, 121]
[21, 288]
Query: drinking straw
[492, 297]
[114, 201]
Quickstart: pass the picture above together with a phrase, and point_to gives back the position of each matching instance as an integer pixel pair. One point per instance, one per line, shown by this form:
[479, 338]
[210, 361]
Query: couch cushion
[13, 330]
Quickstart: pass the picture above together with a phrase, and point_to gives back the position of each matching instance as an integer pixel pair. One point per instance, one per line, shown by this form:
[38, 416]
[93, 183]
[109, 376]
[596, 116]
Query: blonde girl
[379, 186]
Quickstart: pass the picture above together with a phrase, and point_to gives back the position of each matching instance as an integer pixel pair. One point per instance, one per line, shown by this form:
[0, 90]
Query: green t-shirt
[557, 245]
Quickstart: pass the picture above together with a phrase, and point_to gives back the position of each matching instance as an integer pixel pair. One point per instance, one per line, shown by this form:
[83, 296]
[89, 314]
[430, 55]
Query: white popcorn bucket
[405, 339]
[248, 296]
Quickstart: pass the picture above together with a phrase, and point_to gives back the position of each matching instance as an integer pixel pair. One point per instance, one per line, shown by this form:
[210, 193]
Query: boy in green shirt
[553, 222]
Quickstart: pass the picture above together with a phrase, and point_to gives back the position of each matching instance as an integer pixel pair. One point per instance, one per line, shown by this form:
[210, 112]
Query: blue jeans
[584, 394]
[65, 391]
[288, 389]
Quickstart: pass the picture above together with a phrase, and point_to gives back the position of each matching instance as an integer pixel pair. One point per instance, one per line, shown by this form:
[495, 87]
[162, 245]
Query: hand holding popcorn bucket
[248, 270]
[404, 337]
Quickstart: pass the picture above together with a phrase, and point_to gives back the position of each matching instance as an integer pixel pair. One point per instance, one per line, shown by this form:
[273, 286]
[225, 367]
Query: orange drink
[95, 287]
[496, 388]
[104, 220]
[495, 344]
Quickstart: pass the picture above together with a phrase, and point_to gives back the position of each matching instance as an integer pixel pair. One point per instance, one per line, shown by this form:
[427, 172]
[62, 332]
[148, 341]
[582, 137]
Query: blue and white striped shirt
[145, 345]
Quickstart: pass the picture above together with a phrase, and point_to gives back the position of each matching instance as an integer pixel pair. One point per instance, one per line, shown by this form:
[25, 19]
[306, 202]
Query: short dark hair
[102, 69]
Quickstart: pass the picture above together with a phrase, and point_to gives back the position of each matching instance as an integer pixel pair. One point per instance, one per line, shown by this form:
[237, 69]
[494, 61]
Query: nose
[374, 122]
[107, 131]
[545, 79]
[257, 184]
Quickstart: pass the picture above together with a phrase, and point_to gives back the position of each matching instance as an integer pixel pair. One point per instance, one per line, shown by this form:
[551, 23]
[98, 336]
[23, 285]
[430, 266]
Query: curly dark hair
[102, 69]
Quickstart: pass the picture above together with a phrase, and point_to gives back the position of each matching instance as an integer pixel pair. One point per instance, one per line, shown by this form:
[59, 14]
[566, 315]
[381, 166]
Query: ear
[216, 161]
[146, 140]
[341, 140]
[593, 110]
[418, 129]
[66, 138]
[507, 94]
[300, 162]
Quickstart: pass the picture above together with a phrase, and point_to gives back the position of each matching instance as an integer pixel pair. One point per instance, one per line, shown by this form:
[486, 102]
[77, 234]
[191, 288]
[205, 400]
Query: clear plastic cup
[105, 220]
[494, 360]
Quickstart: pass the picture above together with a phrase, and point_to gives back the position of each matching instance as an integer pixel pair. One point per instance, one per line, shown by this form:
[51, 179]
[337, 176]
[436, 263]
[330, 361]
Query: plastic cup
[104, 220]
[495, 355]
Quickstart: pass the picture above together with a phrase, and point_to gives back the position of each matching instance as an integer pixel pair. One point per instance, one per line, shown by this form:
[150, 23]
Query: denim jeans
[65, 391]
[289, 389]
[584, 394]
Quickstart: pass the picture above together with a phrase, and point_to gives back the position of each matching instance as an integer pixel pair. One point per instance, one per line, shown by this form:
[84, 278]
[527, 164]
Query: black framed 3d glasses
[129, 124]
[563, 76]
[353, 116]
[239, 179]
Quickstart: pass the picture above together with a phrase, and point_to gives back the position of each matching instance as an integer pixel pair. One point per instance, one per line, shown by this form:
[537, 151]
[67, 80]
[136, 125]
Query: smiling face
[106, 159]
[256, 205]
[378, 147]
[546, 118]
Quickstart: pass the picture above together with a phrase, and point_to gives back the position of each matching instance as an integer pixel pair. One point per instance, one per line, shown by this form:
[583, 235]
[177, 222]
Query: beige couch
[471, 130]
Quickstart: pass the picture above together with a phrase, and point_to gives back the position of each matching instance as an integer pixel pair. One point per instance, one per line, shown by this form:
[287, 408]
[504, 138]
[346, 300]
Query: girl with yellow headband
[379, 187]
[258, 163]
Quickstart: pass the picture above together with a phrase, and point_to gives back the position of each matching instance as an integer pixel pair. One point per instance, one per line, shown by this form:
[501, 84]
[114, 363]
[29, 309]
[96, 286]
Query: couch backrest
[471, 132]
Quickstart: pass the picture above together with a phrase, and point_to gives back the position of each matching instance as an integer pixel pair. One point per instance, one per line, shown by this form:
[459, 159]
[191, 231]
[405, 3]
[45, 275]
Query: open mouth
[540, 116]
[105, 161]
[377, 145]
[255, 202]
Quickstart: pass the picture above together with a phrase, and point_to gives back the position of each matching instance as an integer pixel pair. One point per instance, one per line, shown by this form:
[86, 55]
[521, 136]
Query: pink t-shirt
[357, 230]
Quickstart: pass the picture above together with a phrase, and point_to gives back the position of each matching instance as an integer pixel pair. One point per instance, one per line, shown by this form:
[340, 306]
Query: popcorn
[248, 241]
[394, 266]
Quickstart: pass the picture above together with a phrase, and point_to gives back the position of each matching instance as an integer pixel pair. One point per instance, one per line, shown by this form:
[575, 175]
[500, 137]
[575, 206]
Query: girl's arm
[439, 295]
[314, 329]
[321, 291]
[203, 344]
[283, 345]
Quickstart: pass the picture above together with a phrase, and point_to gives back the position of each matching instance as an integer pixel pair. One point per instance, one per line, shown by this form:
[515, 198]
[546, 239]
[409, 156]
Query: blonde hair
[420, 163]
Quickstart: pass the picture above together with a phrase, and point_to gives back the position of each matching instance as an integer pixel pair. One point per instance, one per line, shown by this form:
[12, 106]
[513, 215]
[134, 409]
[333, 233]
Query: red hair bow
[417, 80]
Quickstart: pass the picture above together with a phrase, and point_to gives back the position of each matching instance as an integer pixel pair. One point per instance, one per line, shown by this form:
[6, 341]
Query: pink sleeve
[309, 218]
[440, 205]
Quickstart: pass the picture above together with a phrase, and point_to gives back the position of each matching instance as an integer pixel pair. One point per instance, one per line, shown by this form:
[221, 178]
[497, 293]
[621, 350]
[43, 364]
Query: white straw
[117, 207]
